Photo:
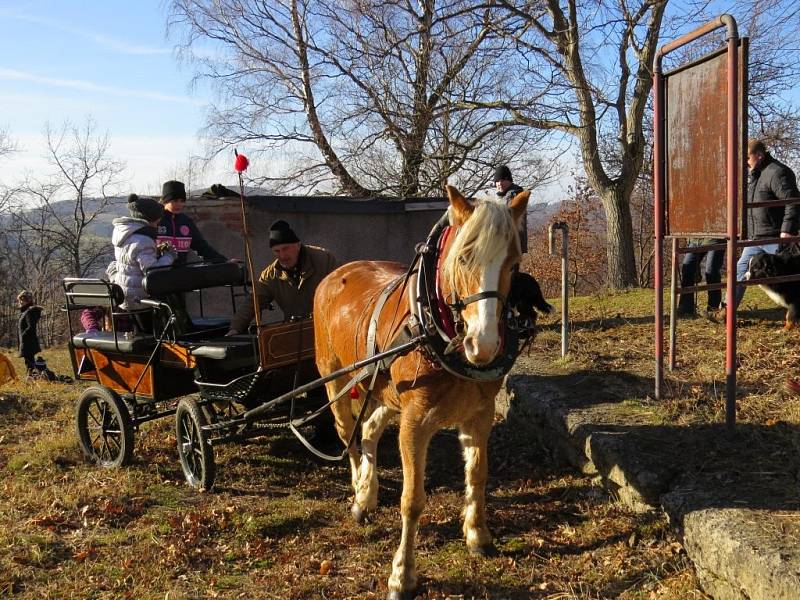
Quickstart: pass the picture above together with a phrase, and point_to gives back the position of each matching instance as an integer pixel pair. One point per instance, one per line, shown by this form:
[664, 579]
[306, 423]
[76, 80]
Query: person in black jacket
[506, 189]
[769, 180]
[179, 229]
[28, 320]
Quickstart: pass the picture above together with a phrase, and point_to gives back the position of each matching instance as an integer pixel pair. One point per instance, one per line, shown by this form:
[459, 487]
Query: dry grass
[615, 332]
[278, 525]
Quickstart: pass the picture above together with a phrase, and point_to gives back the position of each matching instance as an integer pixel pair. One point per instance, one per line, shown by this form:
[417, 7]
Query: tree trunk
[619, 236]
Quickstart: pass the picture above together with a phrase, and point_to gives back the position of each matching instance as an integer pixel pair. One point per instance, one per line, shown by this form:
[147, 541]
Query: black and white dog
[786, 294]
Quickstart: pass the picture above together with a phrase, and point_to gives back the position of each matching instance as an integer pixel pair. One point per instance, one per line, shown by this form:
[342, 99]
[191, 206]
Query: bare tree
[596, 58]
[600, 58]
[63, 206]
[7, 145]
[369, 96]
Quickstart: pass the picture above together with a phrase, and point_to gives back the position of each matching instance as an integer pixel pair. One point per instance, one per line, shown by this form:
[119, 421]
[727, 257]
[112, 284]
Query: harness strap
[372, 332]
[460, 304]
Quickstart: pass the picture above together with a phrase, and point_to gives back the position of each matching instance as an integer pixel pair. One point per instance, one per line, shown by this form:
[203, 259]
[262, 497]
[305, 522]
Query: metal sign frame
[695, 95]
[733, 174]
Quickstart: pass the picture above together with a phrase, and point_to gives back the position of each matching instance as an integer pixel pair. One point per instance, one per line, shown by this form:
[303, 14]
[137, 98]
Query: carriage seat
[173, 280]
[199, 323]
[232, 347]
[105, 340]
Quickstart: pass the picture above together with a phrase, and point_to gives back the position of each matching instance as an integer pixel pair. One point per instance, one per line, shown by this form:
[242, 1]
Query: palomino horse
[477, 260]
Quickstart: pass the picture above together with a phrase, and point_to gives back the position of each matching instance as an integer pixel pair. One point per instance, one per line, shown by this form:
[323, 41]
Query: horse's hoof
[487, 550]
[397, 595]
[359, 514]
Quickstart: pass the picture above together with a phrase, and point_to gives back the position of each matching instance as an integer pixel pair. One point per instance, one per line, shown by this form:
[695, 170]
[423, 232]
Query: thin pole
[658, 218]
[733, 192]
[564, 278]
[673, 300]
[564, 289]
[249, 255]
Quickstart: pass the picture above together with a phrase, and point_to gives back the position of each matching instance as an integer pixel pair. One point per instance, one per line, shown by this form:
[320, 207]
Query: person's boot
[685, 309]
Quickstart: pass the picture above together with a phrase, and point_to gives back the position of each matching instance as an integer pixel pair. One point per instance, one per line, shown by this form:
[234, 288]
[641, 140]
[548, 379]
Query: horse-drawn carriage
[428, 345]
[195, 371]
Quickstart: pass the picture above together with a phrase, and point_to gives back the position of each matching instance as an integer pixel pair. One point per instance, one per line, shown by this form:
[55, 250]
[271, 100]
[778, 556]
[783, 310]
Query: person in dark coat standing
[769, 180]
[506, 189]
[179, 229]
[28, 320]
[689, 267]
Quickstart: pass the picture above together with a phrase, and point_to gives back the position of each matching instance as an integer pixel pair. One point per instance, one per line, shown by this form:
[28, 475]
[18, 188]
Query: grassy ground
[278, 524]
[615, 333]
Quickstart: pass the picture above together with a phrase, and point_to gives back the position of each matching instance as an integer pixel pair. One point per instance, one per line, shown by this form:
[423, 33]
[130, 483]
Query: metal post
[733, 192]
[564, 279]
[733, 166]
[658, 209]
[673, 300]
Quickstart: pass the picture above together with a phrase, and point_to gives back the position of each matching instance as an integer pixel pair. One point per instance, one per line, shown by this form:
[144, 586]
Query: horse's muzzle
[481, 351]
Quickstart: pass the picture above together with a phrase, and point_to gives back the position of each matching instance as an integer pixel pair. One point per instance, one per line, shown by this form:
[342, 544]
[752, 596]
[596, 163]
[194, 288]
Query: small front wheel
[105, 429]
[194, 448]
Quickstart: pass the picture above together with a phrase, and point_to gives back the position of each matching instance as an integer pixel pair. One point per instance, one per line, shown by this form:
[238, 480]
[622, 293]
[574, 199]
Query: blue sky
[111, 60]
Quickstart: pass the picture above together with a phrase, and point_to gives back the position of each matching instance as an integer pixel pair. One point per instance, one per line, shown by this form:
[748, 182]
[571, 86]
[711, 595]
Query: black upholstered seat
[210, 322]
[233, 347]
[174, 280]
[105, 340]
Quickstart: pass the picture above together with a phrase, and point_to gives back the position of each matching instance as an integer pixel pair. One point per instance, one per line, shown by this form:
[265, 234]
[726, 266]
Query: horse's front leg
[474, 436]
[367, 487]
[414, 439]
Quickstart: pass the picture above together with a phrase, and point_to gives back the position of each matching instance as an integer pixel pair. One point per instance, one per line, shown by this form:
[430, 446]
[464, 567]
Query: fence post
[673, 299]
[564, 278]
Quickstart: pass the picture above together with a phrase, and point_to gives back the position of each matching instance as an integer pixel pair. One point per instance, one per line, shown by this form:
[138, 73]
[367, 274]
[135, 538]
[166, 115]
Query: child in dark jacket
[179, 229]
[28, 338]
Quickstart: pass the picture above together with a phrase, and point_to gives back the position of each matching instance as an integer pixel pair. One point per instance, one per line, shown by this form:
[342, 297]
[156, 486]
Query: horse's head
[477, 267]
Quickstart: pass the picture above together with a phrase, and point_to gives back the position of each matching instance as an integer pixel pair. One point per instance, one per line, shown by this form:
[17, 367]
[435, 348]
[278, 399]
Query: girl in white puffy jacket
[135, 251]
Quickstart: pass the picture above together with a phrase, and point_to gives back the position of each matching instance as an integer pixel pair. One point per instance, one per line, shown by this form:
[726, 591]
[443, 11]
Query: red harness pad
[445, 316]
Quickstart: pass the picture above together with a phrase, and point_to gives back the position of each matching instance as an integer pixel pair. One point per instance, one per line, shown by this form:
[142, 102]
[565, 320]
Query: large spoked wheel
[194, 448]
[105, 429]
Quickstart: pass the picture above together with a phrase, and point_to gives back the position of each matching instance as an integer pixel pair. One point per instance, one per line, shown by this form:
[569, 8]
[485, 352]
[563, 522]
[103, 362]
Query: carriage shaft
[312, 385]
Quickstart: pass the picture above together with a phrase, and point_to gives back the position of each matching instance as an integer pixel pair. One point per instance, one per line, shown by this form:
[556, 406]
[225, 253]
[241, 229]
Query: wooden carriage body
[152, 367]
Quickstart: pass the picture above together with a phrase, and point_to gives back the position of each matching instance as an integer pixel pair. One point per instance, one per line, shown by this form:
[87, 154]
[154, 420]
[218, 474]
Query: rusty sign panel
[696, 143]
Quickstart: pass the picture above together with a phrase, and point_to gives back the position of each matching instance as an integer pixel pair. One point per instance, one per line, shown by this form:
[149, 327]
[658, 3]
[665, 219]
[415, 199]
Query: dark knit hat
[172, 190]
[281, 233]
[502, 172]
[144, 208]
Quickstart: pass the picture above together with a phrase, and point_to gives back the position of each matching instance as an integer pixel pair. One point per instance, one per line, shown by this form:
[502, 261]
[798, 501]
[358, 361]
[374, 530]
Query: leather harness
[439, 321]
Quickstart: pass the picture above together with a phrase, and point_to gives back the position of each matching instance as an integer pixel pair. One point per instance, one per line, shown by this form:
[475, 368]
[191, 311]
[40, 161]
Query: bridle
[457, 305]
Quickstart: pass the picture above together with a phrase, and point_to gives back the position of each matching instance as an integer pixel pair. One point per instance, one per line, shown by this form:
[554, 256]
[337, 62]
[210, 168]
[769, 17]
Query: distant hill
[540, 214]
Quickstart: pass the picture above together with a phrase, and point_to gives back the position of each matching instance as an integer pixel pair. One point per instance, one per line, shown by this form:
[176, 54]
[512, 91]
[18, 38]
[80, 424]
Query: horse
[479, 259]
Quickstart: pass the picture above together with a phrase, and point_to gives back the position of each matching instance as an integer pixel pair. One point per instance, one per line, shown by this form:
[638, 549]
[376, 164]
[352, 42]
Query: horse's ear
[519, 205]
[462, 209]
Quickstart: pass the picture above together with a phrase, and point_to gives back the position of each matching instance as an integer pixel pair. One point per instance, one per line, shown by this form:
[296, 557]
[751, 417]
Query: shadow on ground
[754, 466]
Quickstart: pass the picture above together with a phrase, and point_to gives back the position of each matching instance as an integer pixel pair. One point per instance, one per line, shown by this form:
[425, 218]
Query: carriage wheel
[194, 448]
[105, 429]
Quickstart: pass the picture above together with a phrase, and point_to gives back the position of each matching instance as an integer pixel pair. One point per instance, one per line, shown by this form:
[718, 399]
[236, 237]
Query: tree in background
[376, 97]
[590, 65]
[60, 208]
[47, 225]
[583, 213]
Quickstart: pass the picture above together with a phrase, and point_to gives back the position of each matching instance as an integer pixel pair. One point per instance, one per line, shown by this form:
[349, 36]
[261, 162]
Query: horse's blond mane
[485, 234]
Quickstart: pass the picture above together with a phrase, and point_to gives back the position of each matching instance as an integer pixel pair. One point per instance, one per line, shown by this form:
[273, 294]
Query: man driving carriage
[290, 280]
